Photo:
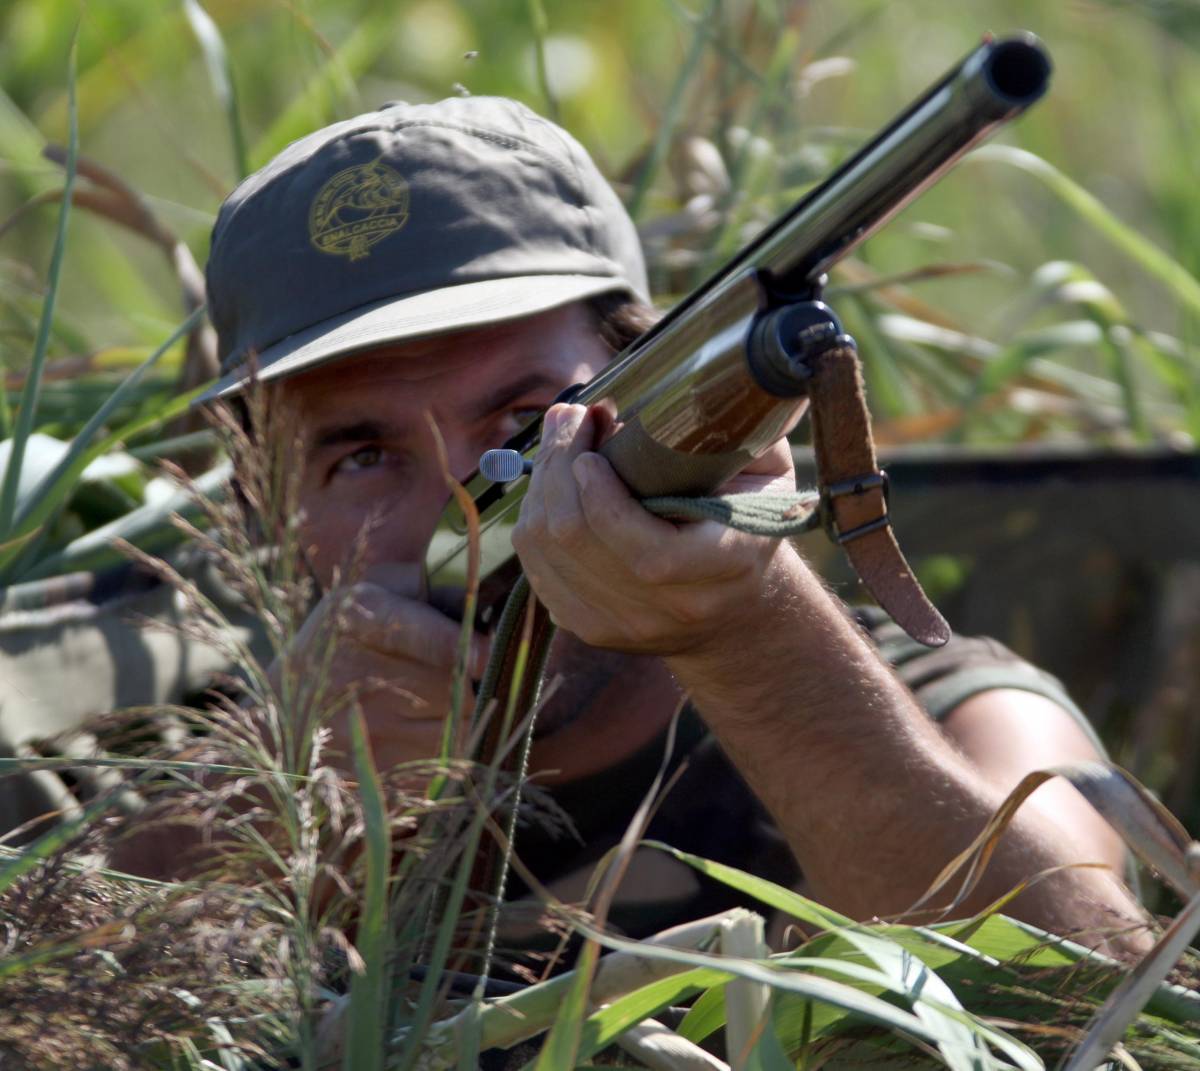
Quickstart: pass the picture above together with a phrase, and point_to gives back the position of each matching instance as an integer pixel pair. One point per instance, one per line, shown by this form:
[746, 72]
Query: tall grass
[352, 890]
[334, 895]
[750, 116]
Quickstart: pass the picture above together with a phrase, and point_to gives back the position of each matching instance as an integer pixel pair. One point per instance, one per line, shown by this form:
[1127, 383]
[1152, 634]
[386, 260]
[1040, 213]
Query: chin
[577, 678]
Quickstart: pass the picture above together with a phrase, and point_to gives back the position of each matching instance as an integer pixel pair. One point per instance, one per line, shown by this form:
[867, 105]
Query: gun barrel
[994, 84]
[991, 86]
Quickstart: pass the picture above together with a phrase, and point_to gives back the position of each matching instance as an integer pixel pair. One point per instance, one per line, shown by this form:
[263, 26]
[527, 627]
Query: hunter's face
[369, 457]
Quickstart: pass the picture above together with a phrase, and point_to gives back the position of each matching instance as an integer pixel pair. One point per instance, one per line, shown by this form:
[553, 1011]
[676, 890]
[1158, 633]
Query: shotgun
[733, 366]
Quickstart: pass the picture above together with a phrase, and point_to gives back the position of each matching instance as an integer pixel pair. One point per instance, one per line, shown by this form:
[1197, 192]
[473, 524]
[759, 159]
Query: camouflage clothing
[83, 645]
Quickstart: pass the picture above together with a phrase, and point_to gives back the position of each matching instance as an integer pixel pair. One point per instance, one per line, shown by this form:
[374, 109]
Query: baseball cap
[410, 221]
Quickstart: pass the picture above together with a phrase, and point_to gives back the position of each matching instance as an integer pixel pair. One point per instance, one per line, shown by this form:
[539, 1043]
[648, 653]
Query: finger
[401, 627]
[397, 733]
[531, 504]
[620, 523]
[401, 578]
[772, 472]
[410, 580]
[571, 436]
[654, 550]
[776, 460]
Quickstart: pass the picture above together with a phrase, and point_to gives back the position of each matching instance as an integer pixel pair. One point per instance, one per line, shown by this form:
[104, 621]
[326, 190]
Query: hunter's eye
[364, 457]
[523, 414]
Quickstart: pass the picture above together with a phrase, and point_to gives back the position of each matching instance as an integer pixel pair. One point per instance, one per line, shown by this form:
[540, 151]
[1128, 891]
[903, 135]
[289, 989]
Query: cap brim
[453, 308]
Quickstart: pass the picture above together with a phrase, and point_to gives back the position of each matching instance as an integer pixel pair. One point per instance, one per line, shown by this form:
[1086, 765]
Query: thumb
[400, 578]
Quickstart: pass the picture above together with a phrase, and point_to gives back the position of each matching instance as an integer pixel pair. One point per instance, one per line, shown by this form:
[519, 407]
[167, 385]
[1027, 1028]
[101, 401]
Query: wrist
[759, 632]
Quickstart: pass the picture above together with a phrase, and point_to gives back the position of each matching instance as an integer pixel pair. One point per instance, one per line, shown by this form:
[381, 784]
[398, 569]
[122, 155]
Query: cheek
[338, 530]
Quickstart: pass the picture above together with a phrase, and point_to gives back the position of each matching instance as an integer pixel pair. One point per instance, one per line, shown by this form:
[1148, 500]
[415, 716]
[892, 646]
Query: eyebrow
[359, 431]
[369, 430]
[510, 391]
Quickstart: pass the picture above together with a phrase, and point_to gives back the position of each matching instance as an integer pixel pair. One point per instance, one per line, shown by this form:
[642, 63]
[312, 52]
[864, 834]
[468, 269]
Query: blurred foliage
[780, 89]
[1045, 290]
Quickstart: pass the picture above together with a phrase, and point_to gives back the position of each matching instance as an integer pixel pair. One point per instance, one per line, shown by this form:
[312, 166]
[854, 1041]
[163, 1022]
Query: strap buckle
[856, 485]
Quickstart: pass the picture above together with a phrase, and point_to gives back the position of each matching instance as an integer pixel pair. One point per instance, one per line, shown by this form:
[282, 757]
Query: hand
[395, 655]
[618, 577]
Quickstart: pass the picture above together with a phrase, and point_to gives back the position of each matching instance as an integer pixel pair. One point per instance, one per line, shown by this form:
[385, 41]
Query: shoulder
[944, 679]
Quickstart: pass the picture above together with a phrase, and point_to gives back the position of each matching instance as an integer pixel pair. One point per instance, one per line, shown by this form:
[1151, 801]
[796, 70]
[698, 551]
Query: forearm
[873, 799]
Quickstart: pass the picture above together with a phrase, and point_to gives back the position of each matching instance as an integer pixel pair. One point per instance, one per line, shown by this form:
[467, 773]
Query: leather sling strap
[854, 492]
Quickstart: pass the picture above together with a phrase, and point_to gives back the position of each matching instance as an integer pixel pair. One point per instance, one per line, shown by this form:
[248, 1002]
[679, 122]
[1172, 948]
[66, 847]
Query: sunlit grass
[1063, 267]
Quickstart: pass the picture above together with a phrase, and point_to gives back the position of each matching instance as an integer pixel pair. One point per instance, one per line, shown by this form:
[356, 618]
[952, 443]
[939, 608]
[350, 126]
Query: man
[465, 260]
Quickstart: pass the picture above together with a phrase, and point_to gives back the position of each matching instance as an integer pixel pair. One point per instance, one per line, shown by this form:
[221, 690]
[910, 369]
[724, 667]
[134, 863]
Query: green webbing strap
[757, 512]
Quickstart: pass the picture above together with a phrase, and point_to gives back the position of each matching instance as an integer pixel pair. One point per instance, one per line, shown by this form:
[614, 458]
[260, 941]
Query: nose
[463, 459]
[423, 506]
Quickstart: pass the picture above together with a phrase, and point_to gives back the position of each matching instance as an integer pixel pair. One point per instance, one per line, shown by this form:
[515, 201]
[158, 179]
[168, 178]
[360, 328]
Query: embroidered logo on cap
[356, 208]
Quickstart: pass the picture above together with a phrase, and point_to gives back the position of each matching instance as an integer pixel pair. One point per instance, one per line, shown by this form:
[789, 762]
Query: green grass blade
[419, 1020]
[69, 465]
[220, 74]
[470, 1039]
[422, 1014]
[865, 1006]
[1128, 999]
[933, 1002]
[310, 108]
[51, 841]
[368, 990]
[33, 381]
[149, 527]
[605, 1026]
[101, 872]
[1118, 344]
[900, 971]
[766, 892]
[888, 388]
[561, 1047]
[47, 952]
[779, 72]
[16, 765]
[1145, 253]
[706, 1016]
[6, 424]
[57, 485]
[541, 27]
[673, 112]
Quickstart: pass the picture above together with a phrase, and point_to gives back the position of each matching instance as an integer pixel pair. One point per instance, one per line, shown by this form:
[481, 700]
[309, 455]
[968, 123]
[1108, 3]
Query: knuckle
[519, 536]
[364, 599]
[528, 546]
[567, 529]
[652, 568]
[695, 608]
[644, 633]
[528, 531]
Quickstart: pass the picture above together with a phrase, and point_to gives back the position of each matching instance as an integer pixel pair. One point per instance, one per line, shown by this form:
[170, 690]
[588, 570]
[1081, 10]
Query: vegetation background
[1054, 302]
[1039, 305]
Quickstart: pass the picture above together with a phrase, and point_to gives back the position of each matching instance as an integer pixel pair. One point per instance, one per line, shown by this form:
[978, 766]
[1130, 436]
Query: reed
[330, 903]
